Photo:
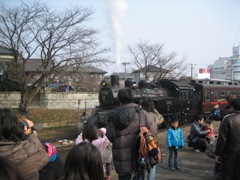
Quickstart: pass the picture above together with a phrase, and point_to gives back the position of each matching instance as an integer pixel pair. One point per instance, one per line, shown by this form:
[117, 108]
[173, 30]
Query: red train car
[212, 92]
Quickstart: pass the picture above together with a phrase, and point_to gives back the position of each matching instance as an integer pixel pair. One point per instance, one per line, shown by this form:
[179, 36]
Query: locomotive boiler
[171, 99]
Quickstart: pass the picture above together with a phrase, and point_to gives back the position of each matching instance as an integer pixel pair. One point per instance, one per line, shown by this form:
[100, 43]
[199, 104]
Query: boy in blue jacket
[175, 141]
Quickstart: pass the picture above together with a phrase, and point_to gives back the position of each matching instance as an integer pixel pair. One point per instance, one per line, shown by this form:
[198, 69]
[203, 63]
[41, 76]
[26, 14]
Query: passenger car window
[222, 95]
[207, 95]
[216, 95]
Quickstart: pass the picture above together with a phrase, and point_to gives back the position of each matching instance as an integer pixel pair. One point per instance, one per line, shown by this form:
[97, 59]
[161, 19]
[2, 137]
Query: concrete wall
[63, 100]
[9, 99]
[68, 100]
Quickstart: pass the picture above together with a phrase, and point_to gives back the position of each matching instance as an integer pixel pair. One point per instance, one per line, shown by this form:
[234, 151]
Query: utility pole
[192, 67]
[125, 64]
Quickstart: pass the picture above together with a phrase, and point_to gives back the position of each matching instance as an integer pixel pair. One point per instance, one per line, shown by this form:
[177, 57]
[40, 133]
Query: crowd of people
[222, 146]
[24, 155]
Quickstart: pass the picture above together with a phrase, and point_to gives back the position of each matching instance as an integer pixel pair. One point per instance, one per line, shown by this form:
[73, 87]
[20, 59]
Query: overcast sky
[204, 30]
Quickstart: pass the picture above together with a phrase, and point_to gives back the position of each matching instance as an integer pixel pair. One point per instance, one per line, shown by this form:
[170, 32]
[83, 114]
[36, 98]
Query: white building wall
[227, 67]
[235, 59]
[219, 68]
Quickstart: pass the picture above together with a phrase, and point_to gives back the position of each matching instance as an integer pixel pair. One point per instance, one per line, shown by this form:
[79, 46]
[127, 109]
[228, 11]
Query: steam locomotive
[173, 99]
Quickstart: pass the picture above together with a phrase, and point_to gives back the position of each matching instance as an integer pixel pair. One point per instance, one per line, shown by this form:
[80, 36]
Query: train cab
[180, 90]
[179, 102]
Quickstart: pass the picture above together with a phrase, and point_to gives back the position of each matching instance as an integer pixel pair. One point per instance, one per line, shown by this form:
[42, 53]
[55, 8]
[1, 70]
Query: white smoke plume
[117, 11]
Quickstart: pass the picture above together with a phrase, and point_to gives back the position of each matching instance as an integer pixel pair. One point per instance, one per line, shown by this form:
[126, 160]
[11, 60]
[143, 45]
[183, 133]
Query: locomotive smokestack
[114, 80]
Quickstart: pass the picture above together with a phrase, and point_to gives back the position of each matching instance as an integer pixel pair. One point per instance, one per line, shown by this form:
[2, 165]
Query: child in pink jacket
[91, 134]
[97, 138]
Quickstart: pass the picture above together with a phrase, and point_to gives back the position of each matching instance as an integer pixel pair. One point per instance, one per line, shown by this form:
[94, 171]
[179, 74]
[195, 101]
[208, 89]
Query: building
[86, 78]
[5, 55]
[234, 61]
[71, 76]
[227, 68]
[220, 68]
[154, 73]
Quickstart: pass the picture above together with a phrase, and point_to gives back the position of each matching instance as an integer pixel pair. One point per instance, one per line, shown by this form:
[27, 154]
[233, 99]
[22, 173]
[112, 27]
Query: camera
[25, 126]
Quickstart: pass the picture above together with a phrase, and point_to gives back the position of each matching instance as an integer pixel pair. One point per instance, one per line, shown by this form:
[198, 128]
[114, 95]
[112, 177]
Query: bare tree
[147, 55]
[56, 39]
[171, 64]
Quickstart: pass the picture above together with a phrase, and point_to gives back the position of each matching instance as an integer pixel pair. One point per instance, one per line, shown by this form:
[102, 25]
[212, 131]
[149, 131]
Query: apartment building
[227, 67]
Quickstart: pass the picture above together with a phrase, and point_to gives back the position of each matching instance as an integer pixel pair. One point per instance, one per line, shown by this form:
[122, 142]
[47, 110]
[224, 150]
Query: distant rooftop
[34, 65]
[87, 69]
[151, 69]
[5, 51]
[122, 75]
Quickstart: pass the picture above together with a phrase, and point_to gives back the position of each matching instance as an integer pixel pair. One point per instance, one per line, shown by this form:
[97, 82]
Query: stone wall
[9, 99]
[63, 100]
[68, 100]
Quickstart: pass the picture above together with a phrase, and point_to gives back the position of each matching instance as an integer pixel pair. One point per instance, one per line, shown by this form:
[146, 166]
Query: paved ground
[194, 165]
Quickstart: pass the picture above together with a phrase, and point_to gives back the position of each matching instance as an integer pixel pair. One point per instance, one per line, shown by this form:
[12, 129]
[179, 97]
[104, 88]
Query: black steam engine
[172, 99]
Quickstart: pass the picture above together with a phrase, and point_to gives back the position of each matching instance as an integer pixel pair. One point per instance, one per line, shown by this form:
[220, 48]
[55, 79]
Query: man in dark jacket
[234, 166]
[122, 130]
[228, 138]
[197, 136]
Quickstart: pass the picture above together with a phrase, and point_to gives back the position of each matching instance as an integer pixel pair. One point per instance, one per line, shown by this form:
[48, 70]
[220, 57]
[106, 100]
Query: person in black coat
[234, 166]
[228, 138]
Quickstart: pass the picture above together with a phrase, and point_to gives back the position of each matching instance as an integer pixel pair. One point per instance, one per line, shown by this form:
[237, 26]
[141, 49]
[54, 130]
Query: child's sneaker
[177, 168]
[171, 168]
[196, 150]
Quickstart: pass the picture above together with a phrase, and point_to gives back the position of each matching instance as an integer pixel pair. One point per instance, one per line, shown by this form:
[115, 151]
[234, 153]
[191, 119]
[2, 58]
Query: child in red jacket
[208, 125]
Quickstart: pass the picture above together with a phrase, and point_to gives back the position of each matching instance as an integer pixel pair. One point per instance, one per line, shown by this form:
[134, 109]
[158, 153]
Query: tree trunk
[27, 94]
[23, 106]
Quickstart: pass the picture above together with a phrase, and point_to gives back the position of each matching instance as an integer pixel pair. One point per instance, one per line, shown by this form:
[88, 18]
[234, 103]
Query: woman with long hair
[84, 162]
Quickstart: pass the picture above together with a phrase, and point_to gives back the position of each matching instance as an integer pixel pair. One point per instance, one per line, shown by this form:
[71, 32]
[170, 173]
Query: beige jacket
[29, 156]
[158, 118]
